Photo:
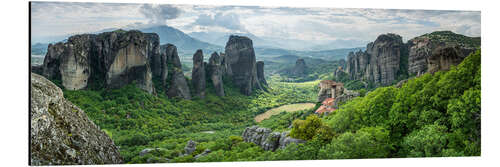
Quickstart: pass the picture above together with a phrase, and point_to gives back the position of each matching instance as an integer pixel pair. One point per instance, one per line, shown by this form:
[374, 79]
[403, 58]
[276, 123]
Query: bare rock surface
[241, 63]
[198, 74]
[268, 139]
[61, 133]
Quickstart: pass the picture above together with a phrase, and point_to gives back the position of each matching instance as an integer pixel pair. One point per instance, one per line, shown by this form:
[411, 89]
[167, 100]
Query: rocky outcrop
[422, 48]
[385, 59]
[357, 64]
[190, 147]
[205, 152]
[267, 139]
[198, 74]
[300, 67]
[381, 61]
[112, 58]
[241, 64]
[443, 58]
[149, 150]
[329, 89]
[61, 133]
[344, 97]
[260, 73]
[215, 72]
[178, 86]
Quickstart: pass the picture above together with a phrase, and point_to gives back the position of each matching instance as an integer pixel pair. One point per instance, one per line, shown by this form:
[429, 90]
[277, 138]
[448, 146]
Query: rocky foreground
[61, 133]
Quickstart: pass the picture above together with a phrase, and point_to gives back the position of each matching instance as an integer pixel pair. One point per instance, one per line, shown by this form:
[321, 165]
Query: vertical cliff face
[385, 55]
[260, 73]
[178, 86]
[215, 72]
[381, 61]
[198, 74]
[357, 64]
[423, 47]
[61, 133]
[444, 57]
[240, 57]
[115, 58]
[420, 50]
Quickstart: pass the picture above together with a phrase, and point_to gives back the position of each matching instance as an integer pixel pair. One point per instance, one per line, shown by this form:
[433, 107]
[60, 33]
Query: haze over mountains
[214, 41]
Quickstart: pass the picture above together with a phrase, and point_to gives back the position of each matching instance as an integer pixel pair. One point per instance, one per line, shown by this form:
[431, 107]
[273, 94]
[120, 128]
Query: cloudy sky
[301, 24]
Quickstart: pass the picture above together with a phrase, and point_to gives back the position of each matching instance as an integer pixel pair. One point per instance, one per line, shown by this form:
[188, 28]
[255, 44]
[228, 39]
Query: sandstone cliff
[215, 72]
[198, 74]
[380, 63]
[178, 86]
[61, 133]
[241, 64]
[423, 47]
[112, 59]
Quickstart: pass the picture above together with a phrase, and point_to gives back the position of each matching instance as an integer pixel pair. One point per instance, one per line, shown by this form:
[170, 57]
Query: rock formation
[114, 58]
[178, 86]
[198, 74]
[421, 48]
[300, 67]
[215, 72]
[267, 139]
[357, 64]
[329, 89]
[260, 73]
[190, 147]
[61, 133]
[443, 58]
[241, 64]
[381, 61]
[205, 152]
[344, 97]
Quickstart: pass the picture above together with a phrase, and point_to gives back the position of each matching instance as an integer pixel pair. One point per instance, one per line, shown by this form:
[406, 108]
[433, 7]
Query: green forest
[429, 116]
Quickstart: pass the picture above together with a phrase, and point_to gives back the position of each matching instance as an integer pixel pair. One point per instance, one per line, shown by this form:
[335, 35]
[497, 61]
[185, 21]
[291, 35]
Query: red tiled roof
[327, 106]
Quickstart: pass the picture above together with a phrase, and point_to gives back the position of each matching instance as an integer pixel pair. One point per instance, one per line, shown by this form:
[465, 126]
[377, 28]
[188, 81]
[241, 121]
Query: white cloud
[315, 25]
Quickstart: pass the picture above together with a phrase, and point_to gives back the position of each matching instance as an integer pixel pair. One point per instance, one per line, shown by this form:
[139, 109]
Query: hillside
[453, 38]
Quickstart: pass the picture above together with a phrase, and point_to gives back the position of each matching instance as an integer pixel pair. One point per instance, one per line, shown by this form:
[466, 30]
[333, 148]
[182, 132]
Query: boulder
[267, 139]
[286, 140]
[190, 147]
[61, 133]
[215, 72]
[205, 152]
[149, 150]
[240, 57]
[198, 74]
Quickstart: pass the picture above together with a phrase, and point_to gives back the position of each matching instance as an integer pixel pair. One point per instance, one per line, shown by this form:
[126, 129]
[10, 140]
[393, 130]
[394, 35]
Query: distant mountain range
[215, 41]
